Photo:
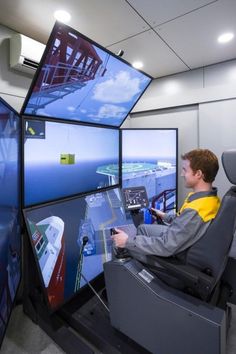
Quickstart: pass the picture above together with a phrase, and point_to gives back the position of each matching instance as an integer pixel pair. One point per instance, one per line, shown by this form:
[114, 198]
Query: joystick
[113, 231]
[119, 252]
[157, 217]
[85, 240]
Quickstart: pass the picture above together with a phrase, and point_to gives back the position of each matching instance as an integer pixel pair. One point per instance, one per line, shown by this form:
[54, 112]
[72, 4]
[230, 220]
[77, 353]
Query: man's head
[200, 167]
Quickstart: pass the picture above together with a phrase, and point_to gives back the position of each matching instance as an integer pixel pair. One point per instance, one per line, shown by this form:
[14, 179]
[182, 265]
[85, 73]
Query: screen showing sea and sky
[79, 80]
[10, 238]
[57, 232]
[64, 159]
[149, 159]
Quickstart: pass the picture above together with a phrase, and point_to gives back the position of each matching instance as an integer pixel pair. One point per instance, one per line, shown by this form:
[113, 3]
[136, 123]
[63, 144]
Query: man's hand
[120, 238]
[157, 212]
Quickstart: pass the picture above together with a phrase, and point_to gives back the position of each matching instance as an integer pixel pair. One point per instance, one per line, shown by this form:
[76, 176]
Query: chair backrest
[210, 253]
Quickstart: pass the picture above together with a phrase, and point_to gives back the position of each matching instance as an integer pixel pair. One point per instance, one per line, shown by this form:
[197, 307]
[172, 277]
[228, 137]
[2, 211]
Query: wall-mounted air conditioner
[25, 53]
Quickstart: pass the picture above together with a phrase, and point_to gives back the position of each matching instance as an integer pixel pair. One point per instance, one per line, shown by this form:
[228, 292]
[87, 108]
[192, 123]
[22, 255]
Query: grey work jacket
[182, 232]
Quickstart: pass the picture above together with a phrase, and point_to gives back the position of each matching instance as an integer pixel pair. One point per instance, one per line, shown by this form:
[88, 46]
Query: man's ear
[199, 174]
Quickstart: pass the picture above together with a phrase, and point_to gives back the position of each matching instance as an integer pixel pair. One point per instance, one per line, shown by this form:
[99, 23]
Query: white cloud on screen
[120, 89]
[71, 108]
[43, 113]
[109, 111]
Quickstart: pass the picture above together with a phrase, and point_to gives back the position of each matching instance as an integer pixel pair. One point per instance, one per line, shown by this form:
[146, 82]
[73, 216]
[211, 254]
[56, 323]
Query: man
[199, 168]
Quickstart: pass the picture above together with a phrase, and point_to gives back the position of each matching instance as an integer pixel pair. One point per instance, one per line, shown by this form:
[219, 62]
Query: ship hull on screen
[149, 159]
[63, 159]
[57, 232]
[10, 240]
[79, 80]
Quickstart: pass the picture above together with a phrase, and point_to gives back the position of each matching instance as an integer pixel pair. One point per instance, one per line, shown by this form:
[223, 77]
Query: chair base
[159, 318]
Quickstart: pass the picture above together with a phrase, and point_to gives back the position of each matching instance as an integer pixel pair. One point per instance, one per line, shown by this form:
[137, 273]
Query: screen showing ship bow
[71, 240]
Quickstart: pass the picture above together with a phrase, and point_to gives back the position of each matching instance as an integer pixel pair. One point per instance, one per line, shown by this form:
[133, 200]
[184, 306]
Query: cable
[79, 274]
[95, 292]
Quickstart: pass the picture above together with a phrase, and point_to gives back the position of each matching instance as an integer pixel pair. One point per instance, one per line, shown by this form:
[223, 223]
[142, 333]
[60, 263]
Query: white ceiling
[168, 36]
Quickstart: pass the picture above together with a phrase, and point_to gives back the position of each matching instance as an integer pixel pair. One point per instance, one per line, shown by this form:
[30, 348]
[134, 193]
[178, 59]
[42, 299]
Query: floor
[24, 337]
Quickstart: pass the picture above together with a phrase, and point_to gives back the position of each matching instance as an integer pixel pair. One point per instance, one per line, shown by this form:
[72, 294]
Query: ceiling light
[62, 16]
[226, 37]
[137, 64]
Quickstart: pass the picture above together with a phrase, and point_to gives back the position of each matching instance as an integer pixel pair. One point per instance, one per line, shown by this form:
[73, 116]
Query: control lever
[85, 240]
[80, 263]
[157, 217]
[119, 252]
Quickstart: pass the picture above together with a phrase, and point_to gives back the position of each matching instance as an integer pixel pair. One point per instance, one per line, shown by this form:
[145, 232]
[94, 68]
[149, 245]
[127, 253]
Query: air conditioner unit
[25, 53]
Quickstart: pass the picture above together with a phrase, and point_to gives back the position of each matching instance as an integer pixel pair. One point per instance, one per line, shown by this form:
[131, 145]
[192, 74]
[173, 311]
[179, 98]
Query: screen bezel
[41, 63]
[19, 182]
[25, 118]
[150, 129]
[86, 286]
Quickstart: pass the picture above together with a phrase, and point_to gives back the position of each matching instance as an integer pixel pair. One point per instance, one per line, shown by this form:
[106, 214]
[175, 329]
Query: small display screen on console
[135, 198]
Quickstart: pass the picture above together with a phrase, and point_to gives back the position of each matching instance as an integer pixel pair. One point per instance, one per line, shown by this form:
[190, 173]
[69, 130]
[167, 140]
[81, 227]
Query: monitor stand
[137, 217]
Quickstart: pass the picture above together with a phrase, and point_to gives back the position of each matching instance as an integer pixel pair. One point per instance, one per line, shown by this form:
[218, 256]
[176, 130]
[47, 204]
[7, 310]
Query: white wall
[14, 85]
[217, 131]
[209, 123]
[215, 82]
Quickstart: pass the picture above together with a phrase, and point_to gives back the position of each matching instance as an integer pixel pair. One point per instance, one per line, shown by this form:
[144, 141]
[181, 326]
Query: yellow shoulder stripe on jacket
[206, 207]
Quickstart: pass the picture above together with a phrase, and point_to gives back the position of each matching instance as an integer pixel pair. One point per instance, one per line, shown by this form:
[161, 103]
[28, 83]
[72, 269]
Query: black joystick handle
[119, 252]
[85, 240]
[113, 231]
[158, 218]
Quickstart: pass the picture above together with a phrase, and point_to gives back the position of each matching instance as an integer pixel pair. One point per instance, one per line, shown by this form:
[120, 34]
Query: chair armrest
[200, 283]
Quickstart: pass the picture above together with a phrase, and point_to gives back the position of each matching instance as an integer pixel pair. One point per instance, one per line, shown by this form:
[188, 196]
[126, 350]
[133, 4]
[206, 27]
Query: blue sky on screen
[106, 99]
[87, 143]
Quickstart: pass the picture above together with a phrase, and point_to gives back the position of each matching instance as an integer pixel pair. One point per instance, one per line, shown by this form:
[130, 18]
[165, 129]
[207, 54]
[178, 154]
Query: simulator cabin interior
[97, 110]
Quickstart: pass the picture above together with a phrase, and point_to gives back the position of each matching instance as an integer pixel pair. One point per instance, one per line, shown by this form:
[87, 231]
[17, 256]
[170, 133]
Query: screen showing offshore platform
[57, 232]
[64, 159]
[82, 81]
[10, 233]
[149, 159]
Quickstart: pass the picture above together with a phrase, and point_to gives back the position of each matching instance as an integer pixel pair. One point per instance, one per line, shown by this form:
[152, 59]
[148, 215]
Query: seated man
[199, 168]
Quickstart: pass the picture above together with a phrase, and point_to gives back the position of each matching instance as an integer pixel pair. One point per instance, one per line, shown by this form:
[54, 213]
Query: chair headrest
[229, 163]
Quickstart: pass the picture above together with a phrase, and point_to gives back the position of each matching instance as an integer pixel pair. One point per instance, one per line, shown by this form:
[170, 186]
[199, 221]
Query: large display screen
[10, 241]
[79, 80]
[149, 159]
[57, 233]
[64, 159]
